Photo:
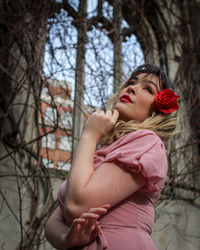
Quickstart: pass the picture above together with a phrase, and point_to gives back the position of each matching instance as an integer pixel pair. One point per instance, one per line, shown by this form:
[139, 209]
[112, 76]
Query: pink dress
[128, 225]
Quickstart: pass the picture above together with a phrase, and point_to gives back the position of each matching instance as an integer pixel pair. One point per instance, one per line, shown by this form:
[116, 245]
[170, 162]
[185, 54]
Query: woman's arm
[82, 231]
[109, 183]
[56, 229]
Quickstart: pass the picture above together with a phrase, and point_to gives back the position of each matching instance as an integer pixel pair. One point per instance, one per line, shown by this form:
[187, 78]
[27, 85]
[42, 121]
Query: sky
[99, 66]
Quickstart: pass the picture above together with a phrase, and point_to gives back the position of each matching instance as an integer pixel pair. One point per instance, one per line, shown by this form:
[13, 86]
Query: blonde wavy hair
[164, 125]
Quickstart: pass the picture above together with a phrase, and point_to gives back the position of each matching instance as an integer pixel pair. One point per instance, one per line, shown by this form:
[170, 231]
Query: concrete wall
[177, 226]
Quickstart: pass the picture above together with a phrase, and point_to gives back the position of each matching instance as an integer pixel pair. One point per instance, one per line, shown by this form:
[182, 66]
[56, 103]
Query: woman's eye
[131, 82]
[149, 89]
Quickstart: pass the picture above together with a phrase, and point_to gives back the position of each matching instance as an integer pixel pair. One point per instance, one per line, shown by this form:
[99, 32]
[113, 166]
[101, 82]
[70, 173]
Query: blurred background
[59, 62]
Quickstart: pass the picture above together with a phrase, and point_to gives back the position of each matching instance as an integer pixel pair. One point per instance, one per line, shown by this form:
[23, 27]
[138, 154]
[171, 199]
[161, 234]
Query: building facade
[55, 124]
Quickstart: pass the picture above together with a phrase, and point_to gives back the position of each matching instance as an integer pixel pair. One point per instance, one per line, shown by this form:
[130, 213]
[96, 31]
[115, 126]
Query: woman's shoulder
[141, 137]
[141, 134]
[141, 151]
[138, 141]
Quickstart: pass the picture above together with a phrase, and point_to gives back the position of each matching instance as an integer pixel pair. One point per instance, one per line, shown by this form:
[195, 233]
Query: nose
[131, 89]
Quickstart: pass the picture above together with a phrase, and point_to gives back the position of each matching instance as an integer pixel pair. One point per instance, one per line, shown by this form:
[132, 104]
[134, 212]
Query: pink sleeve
[142, 152]
[154, 166]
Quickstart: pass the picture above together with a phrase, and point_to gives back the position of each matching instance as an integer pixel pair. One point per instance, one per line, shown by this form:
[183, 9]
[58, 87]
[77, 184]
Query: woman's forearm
[81, 171]
[56, 230]
[79, 190]
[82, 230]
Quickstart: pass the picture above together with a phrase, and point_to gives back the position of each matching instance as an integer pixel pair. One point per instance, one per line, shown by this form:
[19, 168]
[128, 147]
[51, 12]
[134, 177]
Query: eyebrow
[151, 83]
[148, 81]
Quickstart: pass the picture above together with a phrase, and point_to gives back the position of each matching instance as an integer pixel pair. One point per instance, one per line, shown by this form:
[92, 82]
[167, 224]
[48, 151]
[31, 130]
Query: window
[66, 119]
[48, 163]
[65, 143]
[50, 115]
[49, 141]
[45, 91]
[64, 166]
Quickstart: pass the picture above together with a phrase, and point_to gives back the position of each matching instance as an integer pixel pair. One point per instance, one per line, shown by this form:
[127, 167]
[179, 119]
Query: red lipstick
[125, 98]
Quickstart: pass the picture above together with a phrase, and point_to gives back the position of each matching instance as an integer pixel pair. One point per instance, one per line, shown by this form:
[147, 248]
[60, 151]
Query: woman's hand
[84, 229]
[100, 123]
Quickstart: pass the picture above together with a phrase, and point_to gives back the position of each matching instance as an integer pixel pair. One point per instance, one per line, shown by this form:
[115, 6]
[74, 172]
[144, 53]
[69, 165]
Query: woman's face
[135, 100]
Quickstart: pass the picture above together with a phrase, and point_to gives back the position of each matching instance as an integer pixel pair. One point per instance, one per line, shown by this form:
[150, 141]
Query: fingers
[78, 220]
[90, 215]
[76, 224]
[108, 113]
[97, 209]
[89, 226]
[96, 231]
[96, 212]
[86, 228]
[84, 224]
[101, 112]
[106, 206]
[115, 114]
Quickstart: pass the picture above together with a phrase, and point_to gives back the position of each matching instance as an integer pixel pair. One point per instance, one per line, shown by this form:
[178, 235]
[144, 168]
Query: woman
[127, 172]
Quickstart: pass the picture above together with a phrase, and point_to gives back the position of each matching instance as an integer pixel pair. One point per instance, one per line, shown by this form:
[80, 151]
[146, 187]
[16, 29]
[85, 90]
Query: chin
[122, 109]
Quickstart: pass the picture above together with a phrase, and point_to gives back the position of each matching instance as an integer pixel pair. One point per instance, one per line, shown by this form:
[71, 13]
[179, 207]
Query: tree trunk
[117, 45]
[80, 74]
[22, 40]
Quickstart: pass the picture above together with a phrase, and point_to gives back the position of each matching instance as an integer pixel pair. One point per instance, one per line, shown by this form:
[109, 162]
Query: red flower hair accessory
[166, 101]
